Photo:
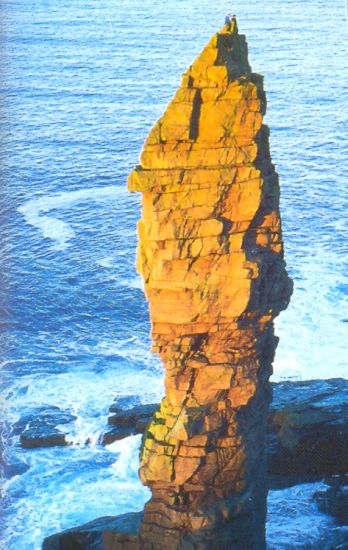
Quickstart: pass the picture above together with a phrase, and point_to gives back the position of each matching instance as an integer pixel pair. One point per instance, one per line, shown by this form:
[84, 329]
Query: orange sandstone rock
[210, 252]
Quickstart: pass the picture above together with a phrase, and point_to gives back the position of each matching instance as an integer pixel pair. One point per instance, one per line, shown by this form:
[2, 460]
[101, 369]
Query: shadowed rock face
[211, 256]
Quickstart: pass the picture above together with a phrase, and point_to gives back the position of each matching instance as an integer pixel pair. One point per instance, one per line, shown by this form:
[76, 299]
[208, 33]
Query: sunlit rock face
[211, 256]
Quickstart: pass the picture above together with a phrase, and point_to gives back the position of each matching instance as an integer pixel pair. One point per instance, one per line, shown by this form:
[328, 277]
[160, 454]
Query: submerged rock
[14, 469]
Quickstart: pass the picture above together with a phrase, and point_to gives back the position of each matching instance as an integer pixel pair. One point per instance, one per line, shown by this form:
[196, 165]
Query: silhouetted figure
[234, 23]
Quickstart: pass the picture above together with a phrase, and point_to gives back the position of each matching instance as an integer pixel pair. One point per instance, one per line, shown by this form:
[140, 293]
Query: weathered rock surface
[38, 428]
[211, 255]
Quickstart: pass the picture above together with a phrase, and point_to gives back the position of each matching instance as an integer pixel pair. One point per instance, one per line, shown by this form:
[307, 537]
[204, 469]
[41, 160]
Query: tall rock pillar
[211, 255]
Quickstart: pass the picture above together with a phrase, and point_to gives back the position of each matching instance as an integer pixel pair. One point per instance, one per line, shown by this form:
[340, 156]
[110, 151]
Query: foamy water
[83, 83]
[57, 230]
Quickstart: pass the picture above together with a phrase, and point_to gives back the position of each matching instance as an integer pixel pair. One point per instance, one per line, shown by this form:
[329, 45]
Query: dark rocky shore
[120, 533]
[307, 440]
[308, 429]
[306, 437]
[38, 428]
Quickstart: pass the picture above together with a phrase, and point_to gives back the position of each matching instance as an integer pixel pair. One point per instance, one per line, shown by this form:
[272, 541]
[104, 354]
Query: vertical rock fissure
[196, 110]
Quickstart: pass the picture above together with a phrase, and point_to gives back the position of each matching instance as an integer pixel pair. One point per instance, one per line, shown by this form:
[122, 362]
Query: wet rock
[308, 428]
[12, 470]
[124, 403]
[334, 500]
[128, 422]
[117, 433]
[38, 427]
[142, 424]
[111, 533]
[121, 418]
[133, 415]
[42, 436]
[107, 533]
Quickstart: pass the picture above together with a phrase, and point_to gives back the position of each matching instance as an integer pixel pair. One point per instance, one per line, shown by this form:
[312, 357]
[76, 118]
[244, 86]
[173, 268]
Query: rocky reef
[211, 256]
[306, 441]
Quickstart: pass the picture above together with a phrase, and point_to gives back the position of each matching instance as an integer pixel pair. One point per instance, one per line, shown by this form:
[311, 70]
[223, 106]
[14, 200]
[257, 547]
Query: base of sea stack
[108, 533]
[130, 532]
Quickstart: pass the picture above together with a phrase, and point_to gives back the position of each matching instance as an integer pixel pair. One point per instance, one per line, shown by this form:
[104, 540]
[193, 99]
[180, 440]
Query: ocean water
[81, 84]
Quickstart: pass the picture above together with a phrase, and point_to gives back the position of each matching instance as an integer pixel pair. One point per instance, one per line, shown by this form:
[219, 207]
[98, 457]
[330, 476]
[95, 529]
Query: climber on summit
[231, 22]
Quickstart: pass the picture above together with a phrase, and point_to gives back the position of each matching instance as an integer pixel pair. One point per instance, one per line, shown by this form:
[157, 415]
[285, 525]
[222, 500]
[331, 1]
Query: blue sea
[81, 84]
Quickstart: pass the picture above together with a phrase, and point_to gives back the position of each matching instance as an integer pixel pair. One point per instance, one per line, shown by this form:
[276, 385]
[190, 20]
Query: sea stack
[211, 255]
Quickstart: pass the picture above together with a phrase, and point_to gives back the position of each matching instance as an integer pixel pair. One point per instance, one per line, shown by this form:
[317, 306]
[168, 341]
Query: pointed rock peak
[217, 109]
[224, 59]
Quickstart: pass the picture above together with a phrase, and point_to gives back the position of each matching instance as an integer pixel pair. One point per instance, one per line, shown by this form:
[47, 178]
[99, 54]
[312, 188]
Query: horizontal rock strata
[211, 255]
[307, 429]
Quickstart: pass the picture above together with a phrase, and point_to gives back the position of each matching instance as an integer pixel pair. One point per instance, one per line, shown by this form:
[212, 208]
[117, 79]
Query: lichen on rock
[211, 255]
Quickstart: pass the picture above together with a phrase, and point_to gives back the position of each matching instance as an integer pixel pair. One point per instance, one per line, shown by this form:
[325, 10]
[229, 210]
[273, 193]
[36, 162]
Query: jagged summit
[212, 120]
[224, 59]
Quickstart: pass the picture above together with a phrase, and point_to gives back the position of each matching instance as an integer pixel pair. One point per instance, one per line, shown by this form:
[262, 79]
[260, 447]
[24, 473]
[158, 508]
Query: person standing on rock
[228, 20]
[234, 23]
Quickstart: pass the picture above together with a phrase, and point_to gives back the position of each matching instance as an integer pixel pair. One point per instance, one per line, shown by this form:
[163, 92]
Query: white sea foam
[85, 394]
[136, 282]
[85, 485]
[313, 332]
[51, 227]
[127, 464]
[132, 349]
[109, 261]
